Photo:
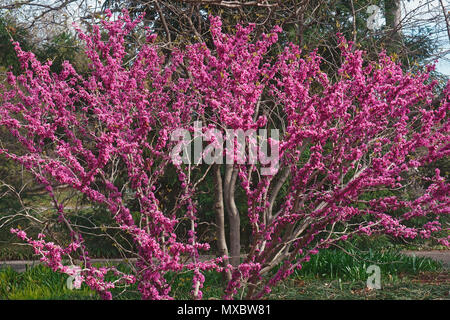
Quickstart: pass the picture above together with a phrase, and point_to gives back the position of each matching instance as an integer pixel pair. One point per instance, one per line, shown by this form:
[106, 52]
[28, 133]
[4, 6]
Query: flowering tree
[340, 142]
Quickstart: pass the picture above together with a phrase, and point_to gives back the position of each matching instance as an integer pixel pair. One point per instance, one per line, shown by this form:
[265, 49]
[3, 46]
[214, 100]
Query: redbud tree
[340, 142]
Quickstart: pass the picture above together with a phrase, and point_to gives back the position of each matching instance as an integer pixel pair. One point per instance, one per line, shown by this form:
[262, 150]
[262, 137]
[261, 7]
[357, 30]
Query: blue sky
[428, 13]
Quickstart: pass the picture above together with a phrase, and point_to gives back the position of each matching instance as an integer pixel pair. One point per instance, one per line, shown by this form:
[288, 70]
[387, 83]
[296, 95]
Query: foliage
[9, 29]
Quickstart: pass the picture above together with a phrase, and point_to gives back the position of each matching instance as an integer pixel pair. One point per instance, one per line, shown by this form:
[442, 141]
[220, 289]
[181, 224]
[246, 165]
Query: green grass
[41, 283]
[337, 264]
[332, 274]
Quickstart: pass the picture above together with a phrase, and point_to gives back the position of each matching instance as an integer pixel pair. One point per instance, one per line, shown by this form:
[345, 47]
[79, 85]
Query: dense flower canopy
[341, 141]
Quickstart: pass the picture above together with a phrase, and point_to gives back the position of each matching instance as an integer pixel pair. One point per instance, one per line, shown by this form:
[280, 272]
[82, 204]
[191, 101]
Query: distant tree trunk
[393, 19]
[446, 17]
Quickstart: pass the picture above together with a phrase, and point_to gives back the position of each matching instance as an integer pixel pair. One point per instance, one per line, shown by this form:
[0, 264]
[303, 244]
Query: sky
[422, 13]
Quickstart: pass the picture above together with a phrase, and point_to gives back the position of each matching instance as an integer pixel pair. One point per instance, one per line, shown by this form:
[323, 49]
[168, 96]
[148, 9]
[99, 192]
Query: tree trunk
[233, 214]
[393, 17]
[220, 219]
